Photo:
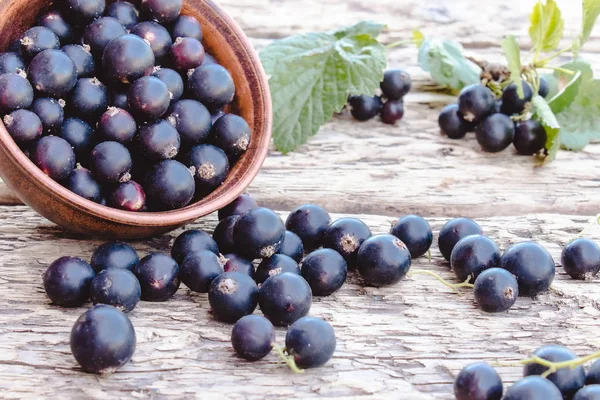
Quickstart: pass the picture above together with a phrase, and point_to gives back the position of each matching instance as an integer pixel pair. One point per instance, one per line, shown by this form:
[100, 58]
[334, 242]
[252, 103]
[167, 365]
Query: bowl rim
[180, 216]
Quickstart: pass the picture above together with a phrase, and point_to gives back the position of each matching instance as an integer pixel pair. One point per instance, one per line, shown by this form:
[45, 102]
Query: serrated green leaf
[512, 52]
[447, 65]
[579, 122]
[311, 76]
[569, 85]
[370, 28]
[580, 64]
[418, 37]
[567, 95]
[591, 11]
[547, 26]
[546, 117]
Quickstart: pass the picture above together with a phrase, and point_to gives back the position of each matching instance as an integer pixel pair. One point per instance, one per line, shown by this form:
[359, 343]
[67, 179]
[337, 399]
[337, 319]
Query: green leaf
[362, 28]
[513, 57]
[579, 122]
[311, 76]
[569, 85]
[547, 26]
[447, 65]
[591, 11]
[578, 65]
[546, 117]
[567, 95]
[418, 37]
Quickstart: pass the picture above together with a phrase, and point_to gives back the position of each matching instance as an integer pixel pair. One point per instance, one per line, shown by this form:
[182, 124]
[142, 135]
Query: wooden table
[404, 342]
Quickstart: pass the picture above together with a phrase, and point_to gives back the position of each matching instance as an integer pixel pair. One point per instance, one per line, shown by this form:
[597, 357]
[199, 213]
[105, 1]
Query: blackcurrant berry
[52, 73]
[581, 259]
[56, 22]
[530, 137]
[292, 246]
[80, 181]
[173, 80]
[156, 35]
[232, 295]
[110, 162]
[124, 12]
[496, 290]
[591, 392]
[114, 255]
[285, 298]
[478, 381]
[325, 271]
[495, 133]
[149, 98]
[127, 58]
[239, 206]
[258, 233]
[593, 375]
[186, 53]
[80, 136]
[415, 232]
[223, 234]
[54, 156]
[11, 63]
[158, 141]
[102, 339]
[212, 85]
[533, 388]
[210, 166]
[311, 342]
[118, 98]
[159, 277]
[396, 84]
[89, 99]
[82, 58]
[15, 93]
[208, 59]
[163, 11]
[67, 281]
[15, 47]
[276, 264]
[498, 109]
[24, 126]
[472, 255]
[345, 236]
[453, 231]
[37, 39]
[253, 337]
[511, 102]
[383, 260]
[84, 11]
[100, 32]
[364, 108]
[476, 102]
[192, 120]
[186, 26]
[199, 269]
[128, 196]
[232, 134]
[216, 115]
[51, 113]
[116, 125]
[392, 111]
[235, 263]
[452, 123]
[544, 88]
[116, 287]
[532, 265]
[192, 241]
[567, 380]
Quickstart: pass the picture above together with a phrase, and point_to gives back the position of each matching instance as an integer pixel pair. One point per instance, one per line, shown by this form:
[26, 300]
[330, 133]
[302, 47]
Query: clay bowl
[228, 44]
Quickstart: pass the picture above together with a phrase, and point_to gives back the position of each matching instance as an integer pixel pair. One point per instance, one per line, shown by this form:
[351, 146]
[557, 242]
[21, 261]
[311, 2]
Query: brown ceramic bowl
[228, 44]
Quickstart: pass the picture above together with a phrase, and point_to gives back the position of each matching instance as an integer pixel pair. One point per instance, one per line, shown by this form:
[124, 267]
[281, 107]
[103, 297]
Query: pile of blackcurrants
[390, 105]
[492, 119]
[122, 106]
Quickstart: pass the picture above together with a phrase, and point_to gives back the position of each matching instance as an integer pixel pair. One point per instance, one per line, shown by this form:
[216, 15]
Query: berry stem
[542, 63]
[553, 366]
[562, 70]
[289, 360]
[400, 43]
[453, 286]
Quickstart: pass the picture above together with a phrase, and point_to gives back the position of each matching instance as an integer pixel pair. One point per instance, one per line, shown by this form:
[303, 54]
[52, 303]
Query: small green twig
[400, 43]
[552, 366]
[287, 359]
[453, 286]
[542, 63]
[562, 70]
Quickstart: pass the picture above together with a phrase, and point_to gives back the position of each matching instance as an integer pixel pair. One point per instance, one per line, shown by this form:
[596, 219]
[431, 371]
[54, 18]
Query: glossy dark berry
[100, 32]
[84, 11]
[476, 102]
[80, 181]
[478, 381]
[15, 47]
[199, 269]
[223, 234]
[51, 113]
[533, 388]
[67, 281]
[118, 98]
[258, 233]
[532, 265]
[511, 102]
[544, 88]
[163, 11]
[452, 123]
[581, 259]
[186, 53]
[52, 73]
[37, 39]
[364, 108]
[116, 125]
[235, 263]
[392, 111]
[591, 392]
[285, 298]
[158, 140]
[415, 232]
[11, 63]
[54, 156]
[89, 99]
[345, 236]
[216, 115]
[110, 162]
[192, 241]
[116, 287]
[530, 137]
[311, 342]
[325, 271]
[232, 295]
[495, 133]
[232, 134]
[102, 339]
[567, 380]
[24, 126]
[276, 264]
[453, 231]
[253, 337]
[292, 246]
[210, 166]
[496, 290]
[127, 58]
[593, 375]
[55, 21]
[212, 85]
[192, 120]
[159, 277]
[156, 35]
[396, 84]
[114, 255]
[472, 255]
[383, 260]
[124, 12]
[128, 196]
[82, 58]
[239, 206]
[15, 93]
[186, 26]
[80, 136]
[148, 98]
[173, 80]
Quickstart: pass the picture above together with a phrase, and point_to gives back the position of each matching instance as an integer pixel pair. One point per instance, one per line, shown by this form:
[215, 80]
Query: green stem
[563, 70]
[429, 251]
[400, 43]
[542, 63]
[287, 359]
[553, 366]
[453, 286]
